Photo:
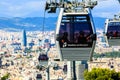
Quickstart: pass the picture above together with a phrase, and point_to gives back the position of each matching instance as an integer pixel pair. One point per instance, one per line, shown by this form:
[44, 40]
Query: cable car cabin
[112, 31]
[39, 77]
[75, 35]
[43, 59]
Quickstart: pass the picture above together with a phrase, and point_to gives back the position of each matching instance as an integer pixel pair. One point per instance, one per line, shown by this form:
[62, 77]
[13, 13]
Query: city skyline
[30, 48]
[35, 8]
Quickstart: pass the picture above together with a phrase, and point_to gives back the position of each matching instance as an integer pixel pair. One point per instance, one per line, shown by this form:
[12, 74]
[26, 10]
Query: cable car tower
[75, 31]
[112, 30]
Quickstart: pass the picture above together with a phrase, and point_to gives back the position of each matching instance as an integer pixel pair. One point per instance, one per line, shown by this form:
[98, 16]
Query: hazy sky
[35, 8]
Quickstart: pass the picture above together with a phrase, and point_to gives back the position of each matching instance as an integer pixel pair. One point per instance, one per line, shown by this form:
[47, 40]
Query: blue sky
[106, 8]
[35, 8]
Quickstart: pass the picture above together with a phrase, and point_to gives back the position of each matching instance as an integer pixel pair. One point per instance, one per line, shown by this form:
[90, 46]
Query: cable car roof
[114, 20]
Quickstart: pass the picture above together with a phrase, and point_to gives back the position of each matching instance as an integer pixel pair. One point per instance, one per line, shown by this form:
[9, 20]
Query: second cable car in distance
[43, 59]
[112, 31]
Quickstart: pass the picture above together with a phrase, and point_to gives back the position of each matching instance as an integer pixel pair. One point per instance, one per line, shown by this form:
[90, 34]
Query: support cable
[43, 25]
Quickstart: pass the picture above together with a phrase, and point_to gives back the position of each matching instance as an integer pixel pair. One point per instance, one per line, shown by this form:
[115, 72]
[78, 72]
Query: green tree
[6, 76]
[101, 74]
[105, 77]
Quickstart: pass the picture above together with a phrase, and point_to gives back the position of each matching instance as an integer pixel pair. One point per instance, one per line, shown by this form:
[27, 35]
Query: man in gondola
[81, 38]
[116, 34]
[110, 34]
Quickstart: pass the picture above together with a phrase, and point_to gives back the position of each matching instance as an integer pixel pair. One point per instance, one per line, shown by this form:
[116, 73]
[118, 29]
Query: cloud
[106, 9]
[22, 9]
[35, 8]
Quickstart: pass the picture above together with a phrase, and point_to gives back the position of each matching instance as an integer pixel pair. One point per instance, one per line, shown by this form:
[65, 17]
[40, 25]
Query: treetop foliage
[101, 74]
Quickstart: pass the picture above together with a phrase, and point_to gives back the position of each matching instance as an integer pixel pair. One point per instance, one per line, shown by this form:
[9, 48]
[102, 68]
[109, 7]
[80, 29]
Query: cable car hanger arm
[52, 5]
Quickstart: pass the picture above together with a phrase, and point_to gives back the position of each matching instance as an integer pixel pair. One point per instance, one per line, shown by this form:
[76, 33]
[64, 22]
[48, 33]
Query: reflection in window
[75, 31]
[113, 30]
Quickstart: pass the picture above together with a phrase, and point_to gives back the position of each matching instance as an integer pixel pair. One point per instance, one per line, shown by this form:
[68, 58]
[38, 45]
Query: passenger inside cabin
[76, 35]
[116, 34]
[82, 38]
[110, 34]
[64, 39]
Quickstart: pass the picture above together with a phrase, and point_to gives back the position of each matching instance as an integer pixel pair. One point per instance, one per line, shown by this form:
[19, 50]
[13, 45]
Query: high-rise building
[24, 38]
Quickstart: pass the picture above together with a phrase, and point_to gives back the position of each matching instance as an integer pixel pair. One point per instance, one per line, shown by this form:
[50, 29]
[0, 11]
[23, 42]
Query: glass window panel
[113, 30]
[75, 32]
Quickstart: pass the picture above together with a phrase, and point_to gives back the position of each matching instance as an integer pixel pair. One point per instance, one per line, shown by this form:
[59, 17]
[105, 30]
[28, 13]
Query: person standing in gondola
[64, 40]
[81, 38]
[116, 34]
[110, 34]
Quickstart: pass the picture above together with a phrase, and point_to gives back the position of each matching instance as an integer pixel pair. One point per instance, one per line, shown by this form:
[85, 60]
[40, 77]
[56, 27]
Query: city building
[24, 39]
[16, 47]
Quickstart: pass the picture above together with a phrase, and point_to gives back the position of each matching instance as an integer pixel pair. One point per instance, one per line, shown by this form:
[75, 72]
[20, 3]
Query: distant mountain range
[36, 23]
